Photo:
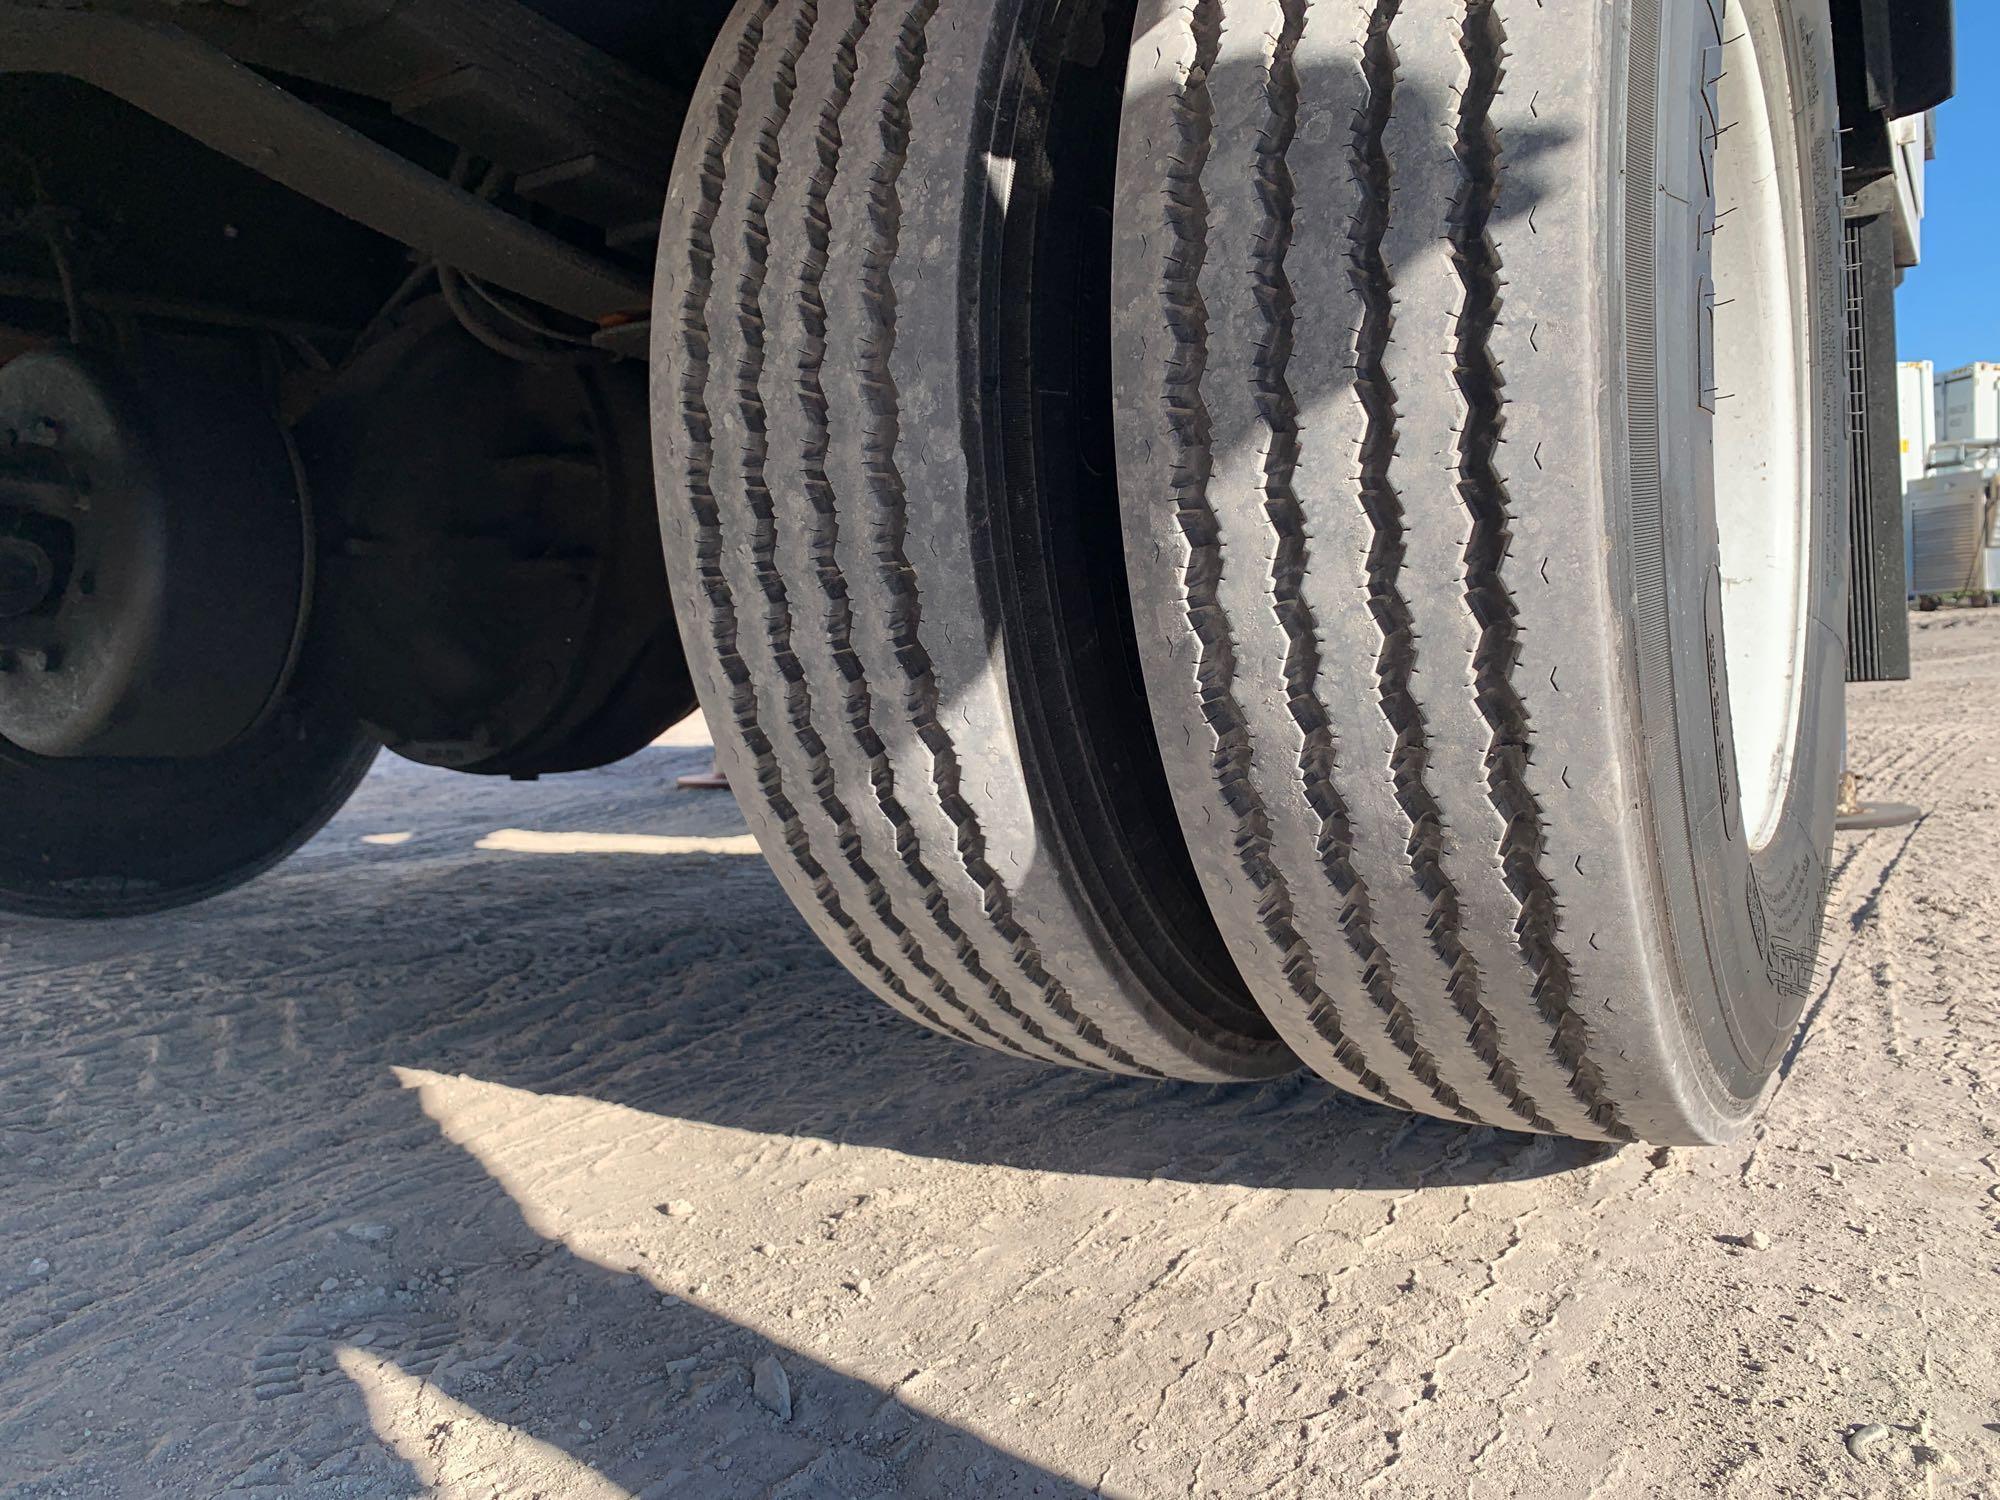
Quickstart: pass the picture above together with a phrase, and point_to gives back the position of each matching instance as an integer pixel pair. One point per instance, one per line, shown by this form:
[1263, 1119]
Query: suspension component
[495, 597]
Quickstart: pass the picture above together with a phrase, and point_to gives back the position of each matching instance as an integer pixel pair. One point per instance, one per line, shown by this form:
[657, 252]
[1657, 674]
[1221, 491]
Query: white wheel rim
[1757, 389]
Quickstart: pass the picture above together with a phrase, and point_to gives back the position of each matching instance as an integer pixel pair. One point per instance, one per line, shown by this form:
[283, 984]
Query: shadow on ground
[686, 986]
[203, 1118]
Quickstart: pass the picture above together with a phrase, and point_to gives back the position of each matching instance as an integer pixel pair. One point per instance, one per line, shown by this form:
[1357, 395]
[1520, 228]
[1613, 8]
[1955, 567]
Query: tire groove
[691, 409]
[756, 493]
[888, 491]
[1393, 616]
[807, 406]
[1520, 848]
[1186, 315]
[1278, 409]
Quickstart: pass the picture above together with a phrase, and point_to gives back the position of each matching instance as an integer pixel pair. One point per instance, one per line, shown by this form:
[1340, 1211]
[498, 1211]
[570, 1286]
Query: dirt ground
[452, 1161]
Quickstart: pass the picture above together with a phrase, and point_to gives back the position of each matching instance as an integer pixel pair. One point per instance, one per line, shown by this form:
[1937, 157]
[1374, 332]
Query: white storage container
[1968, 404]
[1953, 547]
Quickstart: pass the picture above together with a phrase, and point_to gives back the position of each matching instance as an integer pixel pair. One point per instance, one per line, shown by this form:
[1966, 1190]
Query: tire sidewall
[1742, 927]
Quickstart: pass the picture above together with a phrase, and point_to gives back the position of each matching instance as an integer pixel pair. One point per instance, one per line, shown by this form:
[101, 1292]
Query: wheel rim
[1756, 388]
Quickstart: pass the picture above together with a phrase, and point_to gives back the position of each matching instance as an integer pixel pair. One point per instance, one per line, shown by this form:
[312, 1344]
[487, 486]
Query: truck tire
[907, 687]
[1451, 328]
[121, 838]
[167, 730]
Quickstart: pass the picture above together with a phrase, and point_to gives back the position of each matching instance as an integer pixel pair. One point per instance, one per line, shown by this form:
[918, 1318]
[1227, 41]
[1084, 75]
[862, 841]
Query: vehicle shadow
[528, 1368]
[687, 987]
[295, 1284]
[271, 1256]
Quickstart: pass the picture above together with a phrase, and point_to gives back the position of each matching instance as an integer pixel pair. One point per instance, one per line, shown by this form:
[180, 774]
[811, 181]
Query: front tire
[1517, 770]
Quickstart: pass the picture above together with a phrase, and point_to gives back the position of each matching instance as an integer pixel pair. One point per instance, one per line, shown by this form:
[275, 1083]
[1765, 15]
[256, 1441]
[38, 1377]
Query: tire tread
[1374, 786]
[812, 493]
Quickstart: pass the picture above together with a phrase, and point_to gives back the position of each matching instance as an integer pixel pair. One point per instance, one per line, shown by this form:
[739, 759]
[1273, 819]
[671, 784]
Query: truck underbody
[326, 332]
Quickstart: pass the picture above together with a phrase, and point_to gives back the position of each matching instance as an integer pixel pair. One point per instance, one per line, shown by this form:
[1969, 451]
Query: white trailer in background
[1951, 477]
[1968, 404]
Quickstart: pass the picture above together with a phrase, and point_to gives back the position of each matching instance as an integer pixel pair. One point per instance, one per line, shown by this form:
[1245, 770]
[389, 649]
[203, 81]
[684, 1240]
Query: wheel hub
[26, 576]
[151, 559]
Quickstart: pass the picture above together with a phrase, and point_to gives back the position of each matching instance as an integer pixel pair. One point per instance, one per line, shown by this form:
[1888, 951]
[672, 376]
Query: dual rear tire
[940, 743]
[1344, 566]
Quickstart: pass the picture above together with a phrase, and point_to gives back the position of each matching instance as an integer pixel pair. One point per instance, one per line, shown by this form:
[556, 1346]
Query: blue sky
[1949, 307]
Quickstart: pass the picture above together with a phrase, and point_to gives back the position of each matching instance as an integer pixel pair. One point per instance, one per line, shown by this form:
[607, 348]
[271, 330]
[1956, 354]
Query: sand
[518, 1140]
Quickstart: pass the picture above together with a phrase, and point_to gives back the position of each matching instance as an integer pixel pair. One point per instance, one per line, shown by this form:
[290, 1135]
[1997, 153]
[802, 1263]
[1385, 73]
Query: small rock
[676, 1208]
[682, 1366]
[331, 1284]
[38, 1267]
[1389, 1395]
[370, 1234]
[772, 1387]
[863, 1287]
[1756, 1239]
[1864, 1437]
[583, 1424]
